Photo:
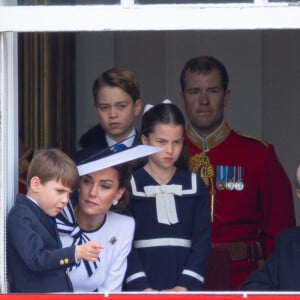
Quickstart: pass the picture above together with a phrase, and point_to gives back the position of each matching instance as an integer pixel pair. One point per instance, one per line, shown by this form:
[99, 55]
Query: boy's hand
[88, 251]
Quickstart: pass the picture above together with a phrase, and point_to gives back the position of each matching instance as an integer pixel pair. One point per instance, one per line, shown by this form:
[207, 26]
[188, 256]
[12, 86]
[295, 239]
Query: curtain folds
[46, 90]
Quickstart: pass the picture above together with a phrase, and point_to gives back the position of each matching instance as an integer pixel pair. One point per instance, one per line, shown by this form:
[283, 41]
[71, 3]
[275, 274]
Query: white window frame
[127, 16]
[130, 16]
[8, 138]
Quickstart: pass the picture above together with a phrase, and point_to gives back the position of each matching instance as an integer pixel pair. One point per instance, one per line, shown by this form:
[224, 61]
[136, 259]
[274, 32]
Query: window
[109, 15]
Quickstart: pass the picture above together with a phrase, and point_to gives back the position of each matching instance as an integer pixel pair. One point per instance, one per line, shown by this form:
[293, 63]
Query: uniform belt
[242, 250]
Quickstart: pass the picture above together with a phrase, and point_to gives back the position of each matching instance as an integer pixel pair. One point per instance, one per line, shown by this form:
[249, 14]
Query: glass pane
[66, 2]
[191, 1]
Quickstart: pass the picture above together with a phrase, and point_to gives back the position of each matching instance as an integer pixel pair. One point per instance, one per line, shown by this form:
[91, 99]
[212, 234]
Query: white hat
[109, 158]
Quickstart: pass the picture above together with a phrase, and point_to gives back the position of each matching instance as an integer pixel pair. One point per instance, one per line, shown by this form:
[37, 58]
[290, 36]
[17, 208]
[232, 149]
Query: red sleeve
[278, 205]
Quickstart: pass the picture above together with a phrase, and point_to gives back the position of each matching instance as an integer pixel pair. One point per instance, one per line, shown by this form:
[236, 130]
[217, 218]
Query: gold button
[61, 262]
[66, 260]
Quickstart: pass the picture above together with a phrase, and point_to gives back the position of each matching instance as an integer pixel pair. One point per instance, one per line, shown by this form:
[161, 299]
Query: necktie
[51, 220]
[119, 147]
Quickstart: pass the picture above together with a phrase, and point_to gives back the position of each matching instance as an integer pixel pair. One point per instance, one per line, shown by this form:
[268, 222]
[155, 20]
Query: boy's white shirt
[34, 201]
[128, 142]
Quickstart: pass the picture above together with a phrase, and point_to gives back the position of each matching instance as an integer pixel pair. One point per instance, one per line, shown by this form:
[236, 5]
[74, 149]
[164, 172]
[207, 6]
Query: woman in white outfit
[102, 192]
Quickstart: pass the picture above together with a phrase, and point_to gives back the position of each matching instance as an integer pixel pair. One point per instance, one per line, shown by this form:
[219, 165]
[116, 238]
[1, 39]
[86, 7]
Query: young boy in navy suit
[117, 103]
[36, 261]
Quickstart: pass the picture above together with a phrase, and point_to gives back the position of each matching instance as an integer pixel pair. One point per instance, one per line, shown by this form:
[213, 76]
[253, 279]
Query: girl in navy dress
[170, 208]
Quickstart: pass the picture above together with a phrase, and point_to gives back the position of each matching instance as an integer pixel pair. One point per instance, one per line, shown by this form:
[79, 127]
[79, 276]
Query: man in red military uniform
[251, 195]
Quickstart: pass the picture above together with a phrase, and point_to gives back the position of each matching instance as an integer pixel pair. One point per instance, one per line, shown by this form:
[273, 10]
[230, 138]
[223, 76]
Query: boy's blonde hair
[53, 164]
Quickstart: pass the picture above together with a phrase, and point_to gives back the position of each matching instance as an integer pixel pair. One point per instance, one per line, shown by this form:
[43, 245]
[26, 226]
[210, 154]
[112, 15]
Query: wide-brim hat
[109, 158]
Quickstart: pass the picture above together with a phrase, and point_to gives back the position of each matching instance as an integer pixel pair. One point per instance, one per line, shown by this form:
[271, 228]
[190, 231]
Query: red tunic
[263, 205]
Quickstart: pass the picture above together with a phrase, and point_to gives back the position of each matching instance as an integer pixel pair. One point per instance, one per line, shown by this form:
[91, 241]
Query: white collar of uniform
[128, 142]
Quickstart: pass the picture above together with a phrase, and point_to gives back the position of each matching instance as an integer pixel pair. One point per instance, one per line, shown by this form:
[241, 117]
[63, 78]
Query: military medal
[239, 185]
[230, 185]
[220, 177]
[220, 185]
[230, 178]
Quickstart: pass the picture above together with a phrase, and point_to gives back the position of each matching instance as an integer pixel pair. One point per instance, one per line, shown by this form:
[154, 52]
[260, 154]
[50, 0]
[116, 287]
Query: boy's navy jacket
[36, 261]
[97, 143]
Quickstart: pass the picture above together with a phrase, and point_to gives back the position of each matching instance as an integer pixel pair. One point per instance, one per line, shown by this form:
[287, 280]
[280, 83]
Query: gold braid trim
[240, 133]
[201, 165]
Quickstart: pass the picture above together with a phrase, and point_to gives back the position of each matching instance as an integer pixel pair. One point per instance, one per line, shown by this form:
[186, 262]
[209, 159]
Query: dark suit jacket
[92, 150]
[282, 268]
[95, 145]
[36, 261]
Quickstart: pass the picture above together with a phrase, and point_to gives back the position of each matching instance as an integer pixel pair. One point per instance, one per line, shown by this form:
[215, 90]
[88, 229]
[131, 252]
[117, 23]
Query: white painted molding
[149, 17]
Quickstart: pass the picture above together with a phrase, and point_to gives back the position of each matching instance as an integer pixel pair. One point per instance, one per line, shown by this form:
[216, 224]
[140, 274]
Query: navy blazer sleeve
[37, 246]
[35, 260]
[200, 250]
[281, 269]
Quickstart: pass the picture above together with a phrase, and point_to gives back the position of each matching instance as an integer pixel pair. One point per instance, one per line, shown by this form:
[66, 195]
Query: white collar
[127, 142]
[34, 201]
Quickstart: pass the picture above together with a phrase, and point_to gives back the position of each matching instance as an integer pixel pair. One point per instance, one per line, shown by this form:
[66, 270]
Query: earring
[115, 202]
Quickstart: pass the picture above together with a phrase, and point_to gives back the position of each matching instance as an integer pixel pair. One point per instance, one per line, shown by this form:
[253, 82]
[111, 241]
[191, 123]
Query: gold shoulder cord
[201, 165]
